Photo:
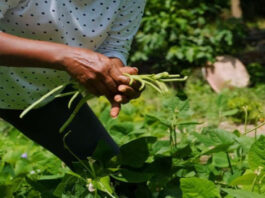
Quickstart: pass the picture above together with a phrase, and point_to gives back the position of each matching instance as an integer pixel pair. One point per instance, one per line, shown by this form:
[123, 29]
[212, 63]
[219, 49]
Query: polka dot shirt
[105, 26]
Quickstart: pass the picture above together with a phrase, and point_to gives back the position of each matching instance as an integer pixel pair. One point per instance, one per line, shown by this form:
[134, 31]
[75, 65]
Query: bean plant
[202, 161]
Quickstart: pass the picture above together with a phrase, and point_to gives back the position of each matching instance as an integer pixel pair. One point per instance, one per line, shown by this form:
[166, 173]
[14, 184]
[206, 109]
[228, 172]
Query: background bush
[177, 35]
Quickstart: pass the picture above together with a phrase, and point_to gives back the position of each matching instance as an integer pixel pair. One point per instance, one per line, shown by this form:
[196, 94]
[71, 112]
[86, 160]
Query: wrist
[61, 58]
[72, 57]
[116, 62]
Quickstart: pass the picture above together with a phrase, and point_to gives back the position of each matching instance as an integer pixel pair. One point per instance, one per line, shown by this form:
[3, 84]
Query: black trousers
[42, 126]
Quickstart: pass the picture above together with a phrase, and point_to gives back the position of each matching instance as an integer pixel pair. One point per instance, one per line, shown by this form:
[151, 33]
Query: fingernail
[118, 98]
[122, 89]
[124, 78]
[114, 115]
[136, 68]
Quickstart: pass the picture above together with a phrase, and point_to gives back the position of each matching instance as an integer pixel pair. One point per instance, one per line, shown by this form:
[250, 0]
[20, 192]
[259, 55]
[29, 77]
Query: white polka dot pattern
[106, 26]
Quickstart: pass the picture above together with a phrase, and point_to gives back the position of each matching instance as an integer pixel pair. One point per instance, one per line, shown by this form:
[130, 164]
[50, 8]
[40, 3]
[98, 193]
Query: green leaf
[158, 117]
[215, 149]
[123, 128]
[190, 54]
[6, 191]
[244, 179]
[198, 188]
[50, 177]
[12, 156]
[161, 147]
[183, 151]
[218, 136]
[230, 112]
[22, 167]
[220, 160]
[216, 140]
[61, 187]
[256, 155]
[45, 187]
[245, 142]
[103, 152]
[242, 193]
[130, 176]
[136, 152]
[103, 184]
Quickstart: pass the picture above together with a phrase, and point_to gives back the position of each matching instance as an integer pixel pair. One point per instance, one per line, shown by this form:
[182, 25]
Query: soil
[231, 127]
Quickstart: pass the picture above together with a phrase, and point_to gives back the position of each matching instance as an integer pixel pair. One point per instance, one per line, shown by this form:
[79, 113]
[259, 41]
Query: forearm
[20, 52]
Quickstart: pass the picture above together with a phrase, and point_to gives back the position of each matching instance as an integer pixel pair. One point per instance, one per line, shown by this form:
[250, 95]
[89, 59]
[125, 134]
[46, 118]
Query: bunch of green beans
[155, 81]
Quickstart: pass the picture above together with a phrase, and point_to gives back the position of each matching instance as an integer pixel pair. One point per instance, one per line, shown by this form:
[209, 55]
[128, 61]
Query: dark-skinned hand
[101, 76]
[127, 92]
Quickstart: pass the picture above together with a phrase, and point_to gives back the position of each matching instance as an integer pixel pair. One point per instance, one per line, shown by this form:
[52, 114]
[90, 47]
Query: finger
[132, 71]
[121, 99]
[126, 99]
[115, 108]
[129, 70]
[127, 91]
[138, 94]
[111, 85]
[109, 82]
[102, 89]
[118, 76]
[92, 89]
[135, 84]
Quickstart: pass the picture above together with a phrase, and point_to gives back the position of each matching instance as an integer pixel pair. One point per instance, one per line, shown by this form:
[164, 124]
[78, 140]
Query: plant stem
[262, 124]
[174, 80]
[254, 183]
[65, 94]
[76, 110]
[73, 154]
[246, 118]
[92, 169]
[156, 81]
[41, 99]
[229, 162]
[72, 99]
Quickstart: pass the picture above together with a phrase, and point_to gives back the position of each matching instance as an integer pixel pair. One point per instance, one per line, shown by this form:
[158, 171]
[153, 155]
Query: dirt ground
[231, 127]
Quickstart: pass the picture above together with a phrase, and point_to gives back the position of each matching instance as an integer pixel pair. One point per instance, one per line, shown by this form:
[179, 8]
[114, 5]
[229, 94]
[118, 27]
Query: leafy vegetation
[177, 35]
[233, 104]
[164, 153]
[172, 145]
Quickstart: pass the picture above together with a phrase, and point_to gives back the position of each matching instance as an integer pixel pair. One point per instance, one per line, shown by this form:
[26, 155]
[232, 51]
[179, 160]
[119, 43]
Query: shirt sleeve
[6, 5]
[118, 42]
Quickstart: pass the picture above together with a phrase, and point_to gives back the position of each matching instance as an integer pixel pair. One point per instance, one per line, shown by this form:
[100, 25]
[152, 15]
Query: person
[44, 44]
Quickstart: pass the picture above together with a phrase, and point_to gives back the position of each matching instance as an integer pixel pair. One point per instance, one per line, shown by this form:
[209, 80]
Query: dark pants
[42, 126]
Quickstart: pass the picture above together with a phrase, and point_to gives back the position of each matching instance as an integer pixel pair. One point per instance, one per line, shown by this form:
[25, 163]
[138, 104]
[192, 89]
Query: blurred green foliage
[257, 73]
[216, 108]
[176, 35]
[167, 150]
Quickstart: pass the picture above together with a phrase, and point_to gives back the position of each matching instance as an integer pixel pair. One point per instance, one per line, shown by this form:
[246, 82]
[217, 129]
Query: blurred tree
[236, 9]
